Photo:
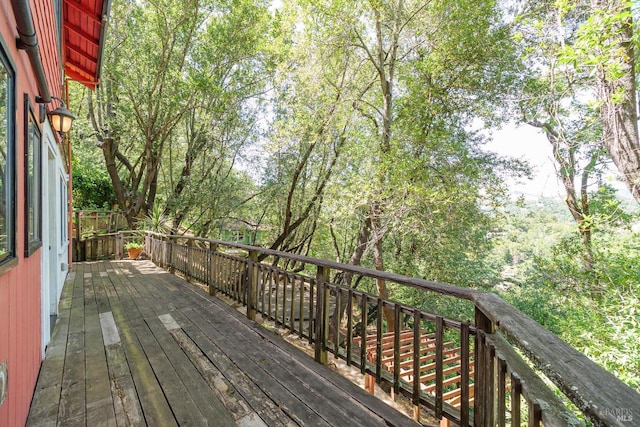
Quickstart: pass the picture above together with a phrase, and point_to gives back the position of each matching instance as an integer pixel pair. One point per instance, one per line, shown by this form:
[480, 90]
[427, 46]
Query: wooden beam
[84, 11]
[83, 34]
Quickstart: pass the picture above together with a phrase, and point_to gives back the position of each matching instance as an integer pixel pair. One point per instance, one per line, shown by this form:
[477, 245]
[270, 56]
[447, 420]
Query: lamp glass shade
[61, 119]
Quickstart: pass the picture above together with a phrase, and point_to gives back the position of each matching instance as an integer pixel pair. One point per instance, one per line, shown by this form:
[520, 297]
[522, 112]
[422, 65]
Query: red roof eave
[84, 24]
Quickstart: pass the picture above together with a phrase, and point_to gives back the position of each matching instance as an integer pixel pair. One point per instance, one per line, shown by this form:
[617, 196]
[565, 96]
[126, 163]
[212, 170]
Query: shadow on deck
[135, 345]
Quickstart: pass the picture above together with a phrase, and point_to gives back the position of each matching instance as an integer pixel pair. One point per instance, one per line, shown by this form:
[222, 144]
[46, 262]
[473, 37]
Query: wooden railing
[495, 353]
[95, 234]
[105, 246]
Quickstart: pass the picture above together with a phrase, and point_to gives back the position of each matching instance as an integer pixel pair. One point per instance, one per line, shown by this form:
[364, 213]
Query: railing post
[78, 238]
[166, 244]
[484, 382]
[119, 246]
[322, 315]
[252, 285]
[172, 242]
[212, 268]
[187, 270]
[94, 247]
[148, 243]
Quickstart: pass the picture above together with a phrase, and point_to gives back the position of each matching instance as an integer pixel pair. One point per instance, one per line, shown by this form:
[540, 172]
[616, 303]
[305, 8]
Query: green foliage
[156, 220]
[92, 187]
[133, 245]
[595, 311]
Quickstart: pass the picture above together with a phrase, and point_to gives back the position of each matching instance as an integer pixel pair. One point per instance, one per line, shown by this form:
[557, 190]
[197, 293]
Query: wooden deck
[135, 345]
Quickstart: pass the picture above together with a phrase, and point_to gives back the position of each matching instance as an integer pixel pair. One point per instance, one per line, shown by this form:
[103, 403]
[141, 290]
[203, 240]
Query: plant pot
[134, 252]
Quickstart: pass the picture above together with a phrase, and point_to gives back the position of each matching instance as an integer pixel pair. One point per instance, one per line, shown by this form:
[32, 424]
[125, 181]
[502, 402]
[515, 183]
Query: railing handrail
[441, 288]
[596, 392]
[117, 233]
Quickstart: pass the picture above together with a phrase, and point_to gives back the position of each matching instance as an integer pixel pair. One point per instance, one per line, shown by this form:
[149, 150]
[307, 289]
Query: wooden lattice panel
[451, 363]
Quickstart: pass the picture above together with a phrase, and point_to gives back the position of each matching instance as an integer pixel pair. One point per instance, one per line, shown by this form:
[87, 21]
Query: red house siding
[48, 39]
[20, 288]
[20, 337]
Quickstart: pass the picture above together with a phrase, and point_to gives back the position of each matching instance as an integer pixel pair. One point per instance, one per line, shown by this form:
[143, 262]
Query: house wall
[243, 236]
[20, 287]
[55, 243]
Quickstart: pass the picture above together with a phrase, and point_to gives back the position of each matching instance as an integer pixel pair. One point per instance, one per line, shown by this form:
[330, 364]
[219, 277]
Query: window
[7, 157]
[63, 212]
[238, 236]
[33, 180]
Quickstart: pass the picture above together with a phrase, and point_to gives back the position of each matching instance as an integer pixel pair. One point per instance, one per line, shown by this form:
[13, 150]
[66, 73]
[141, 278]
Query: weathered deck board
[135, 345]
[171, 364]
[205, 368]
[274, 345]
[97, 385]
[72, 410]
[44, 410]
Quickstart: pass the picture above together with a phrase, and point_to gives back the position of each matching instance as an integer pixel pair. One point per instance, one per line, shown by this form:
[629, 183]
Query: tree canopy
[357, 133]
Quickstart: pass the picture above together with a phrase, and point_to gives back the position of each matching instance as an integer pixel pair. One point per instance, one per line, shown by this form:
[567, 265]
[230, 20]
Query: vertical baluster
[293, 303]
[231, 280]
[223, 274]
[212, 275]
[222, 267]
[203, 265]
[439, 357]
[416, 364]
[165, 250]
[197, 264]
[483, 399]
[172, 267]
[301, 307]
[204, 270]
[312, 285]
[396, 350]
[379, 316]
[267, 291]
[242, 279]
[516, 392]
[243, 283]
[322, 315]
[252, 284]
[349, 325]
[276, 291]
[264, 280]
[464, 374]
[277, 295]
[215, 270]
[283, 302]
[490, 385]
[285, 284]
[363, 334]
[336, 322]
[535, 414]
[188, 260]
[502, 400]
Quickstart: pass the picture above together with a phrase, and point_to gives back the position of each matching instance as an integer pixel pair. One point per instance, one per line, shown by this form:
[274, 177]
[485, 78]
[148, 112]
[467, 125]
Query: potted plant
[134, 249]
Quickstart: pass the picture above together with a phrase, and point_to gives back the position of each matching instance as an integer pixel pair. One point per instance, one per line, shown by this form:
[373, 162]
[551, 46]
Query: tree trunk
[618, 111]
[567, 166]
[356, 258]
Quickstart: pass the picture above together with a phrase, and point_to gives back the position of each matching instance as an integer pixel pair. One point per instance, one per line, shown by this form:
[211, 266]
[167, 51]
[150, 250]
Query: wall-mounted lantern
[61, 118]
